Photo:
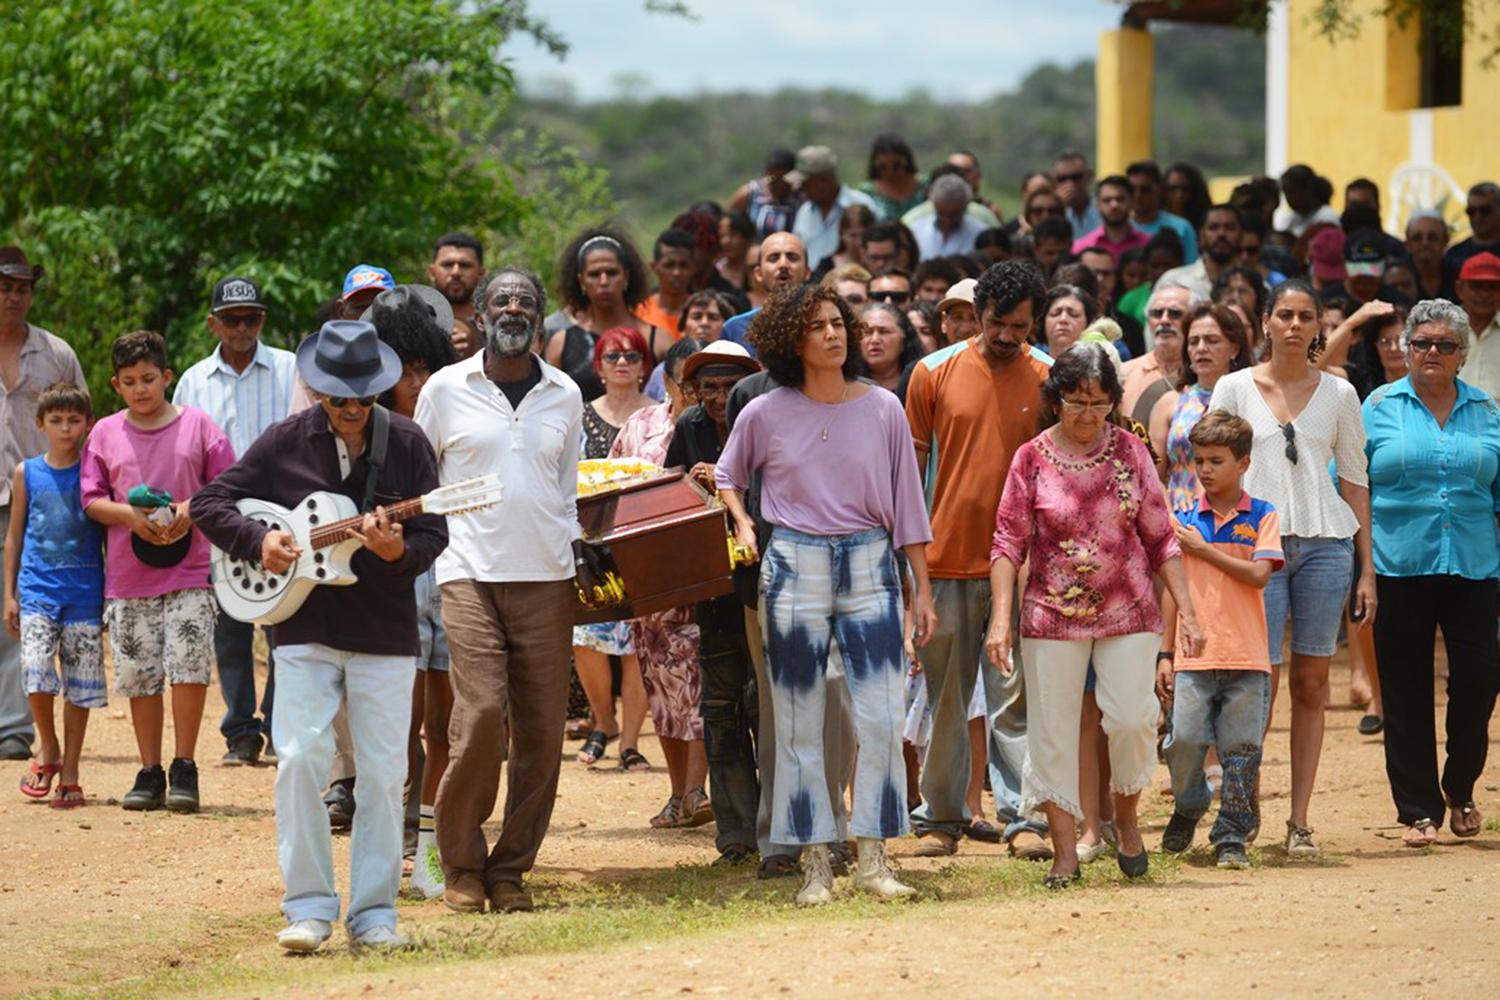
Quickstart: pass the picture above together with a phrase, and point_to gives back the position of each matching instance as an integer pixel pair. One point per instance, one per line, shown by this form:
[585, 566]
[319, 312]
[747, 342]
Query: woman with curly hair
[603, 283]
[1303, 419]
[839, 482]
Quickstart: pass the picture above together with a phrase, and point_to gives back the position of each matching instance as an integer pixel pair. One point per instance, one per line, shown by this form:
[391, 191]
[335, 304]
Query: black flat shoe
[1370, 725]
[1057, 881]
[1134, 865]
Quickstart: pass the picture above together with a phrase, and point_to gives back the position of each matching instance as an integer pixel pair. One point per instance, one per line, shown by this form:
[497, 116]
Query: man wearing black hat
[30, 360]
[357, 643]
[246, 386]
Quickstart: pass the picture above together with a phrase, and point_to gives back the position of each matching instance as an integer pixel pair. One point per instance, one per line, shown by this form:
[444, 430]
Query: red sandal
[41, 771]
[68, 797]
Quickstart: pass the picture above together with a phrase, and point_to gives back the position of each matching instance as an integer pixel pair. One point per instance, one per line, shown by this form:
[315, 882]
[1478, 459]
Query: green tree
[152, 146]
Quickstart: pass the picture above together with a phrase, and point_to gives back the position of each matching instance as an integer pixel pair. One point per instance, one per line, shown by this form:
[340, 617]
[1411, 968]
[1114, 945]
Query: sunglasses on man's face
[899, 298]
[245, 320]
[1071, 178]
[1477, 210]
[1172, 313]
[339, 402]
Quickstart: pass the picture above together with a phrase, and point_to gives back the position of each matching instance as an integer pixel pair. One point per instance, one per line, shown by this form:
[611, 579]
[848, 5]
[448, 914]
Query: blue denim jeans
[234, 649]
[1226, 709]
[815, 589]
[315, 679]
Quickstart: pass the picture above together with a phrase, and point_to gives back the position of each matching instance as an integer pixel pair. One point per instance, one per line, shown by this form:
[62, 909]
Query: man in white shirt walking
[817, 221]
[507, 585]
[245, 386]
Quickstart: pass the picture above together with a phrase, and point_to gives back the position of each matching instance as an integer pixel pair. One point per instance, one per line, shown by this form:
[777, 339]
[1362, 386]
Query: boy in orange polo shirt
[1222, 697]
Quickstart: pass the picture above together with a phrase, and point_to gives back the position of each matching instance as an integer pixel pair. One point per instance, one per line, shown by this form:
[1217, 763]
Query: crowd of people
[1034, 504]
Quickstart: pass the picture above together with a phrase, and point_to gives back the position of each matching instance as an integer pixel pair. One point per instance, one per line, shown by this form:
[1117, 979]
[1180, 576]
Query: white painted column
[1278, 61]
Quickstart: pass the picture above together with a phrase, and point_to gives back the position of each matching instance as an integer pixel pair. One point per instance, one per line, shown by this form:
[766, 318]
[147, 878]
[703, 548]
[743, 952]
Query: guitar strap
[380, 435]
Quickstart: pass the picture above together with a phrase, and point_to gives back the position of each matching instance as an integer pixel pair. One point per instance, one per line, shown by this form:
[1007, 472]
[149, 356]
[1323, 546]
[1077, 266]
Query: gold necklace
[842, 400]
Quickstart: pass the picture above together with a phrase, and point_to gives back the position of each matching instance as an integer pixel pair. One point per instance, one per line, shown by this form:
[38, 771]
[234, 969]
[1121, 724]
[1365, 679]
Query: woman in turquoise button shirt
[1433, 443]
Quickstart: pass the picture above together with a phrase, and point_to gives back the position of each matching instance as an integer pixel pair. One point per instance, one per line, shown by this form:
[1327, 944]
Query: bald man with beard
[783, 264]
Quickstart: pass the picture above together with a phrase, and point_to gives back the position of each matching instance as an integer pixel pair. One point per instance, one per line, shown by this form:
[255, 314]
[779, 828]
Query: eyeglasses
[1290, 433]
[1446, 348]
[246, 320]
[899, 298]
[1092, 409]
[525, 300]
[615, 357]
[1171, 312]
[339, 402]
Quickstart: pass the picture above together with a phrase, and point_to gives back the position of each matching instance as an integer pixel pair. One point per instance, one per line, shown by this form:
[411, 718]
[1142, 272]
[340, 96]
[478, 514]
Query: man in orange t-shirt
[970, 406]
[672, 263]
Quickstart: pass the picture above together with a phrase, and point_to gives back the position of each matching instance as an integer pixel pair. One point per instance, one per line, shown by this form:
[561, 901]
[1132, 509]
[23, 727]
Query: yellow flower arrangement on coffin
[595, 475]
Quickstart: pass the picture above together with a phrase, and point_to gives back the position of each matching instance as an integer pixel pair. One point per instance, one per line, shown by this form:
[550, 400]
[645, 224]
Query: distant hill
[662, 153]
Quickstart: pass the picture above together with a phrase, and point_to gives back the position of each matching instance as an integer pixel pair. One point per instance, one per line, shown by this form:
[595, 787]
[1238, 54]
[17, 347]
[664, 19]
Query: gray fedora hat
[346, 358]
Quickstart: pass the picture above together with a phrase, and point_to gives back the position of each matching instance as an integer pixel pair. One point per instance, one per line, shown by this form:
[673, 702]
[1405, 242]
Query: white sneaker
[874, 874]
[817, 883]
[304, 935]
[427, 873]
[381, 939]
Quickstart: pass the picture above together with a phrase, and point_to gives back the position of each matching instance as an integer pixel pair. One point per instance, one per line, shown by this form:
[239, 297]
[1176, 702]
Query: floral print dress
[610, 638]
[665, 643]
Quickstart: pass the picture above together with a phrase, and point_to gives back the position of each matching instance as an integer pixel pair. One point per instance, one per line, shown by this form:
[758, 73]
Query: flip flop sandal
[68, 797]
[592, 751]
[1466, 810]
[1420, 828]
[42, 771]
[633, 761]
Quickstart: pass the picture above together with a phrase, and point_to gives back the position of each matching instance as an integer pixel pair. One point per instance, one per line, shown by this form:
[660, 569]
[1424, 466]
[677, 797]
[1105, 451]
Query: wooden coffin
[665, 541]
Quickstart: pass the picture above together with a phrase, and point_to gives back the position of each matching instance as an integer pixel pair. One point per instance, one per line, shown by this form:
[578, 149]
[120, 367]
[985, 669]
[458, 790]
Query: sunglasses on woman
[1446, 348]
[615, 357]
[1290, 433]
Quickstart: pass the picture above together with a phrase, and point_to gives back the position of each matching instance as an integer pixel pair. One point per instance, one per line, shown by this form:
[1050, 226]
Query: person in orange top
[1222, 697]
[672, 263]
[970, 406]
[1154, 374]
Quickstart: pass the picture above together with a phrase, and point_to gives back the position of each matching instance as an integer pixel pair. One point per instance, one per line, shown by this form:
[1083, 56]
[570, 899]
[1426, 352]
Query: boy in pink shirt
[1231, 545]
[158, 604]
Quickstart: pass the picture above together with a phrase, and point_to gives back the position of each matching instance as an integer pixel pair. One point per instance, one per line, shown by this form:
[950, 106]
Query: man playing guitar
[357, 642]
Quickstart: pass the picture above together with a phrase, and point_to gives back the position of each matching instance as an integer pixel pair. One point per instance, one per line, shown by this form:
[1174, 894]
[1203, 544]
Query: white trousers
[1055, 672]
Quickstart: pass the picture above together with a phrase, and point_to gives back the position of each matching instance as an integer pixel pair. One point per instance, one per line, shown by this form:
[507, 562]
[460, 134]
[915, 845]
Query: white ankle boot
[873, 874]
[817, 881]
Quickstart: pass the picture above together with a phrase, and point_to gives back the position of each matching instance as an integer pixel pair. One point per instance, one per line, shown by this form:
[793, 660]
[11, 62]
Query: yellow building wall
[1124, 82]
[1349, 105]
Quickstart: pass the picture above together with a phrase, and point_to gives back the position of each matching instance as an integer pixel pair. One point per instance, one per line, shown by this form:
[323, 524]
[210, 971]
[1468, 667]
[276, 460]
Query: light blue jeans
[814, 589]
[1226, 709]
[311, 681]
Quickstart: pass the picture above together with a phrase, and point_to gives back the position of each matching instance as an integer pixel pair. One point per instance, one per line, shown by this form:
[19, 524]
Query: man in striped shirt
[245, 386]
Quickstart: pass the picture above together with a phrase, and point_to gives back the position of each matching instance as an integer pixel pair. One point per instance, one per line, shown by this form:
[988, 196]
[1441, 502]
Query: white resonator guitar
[321, 524]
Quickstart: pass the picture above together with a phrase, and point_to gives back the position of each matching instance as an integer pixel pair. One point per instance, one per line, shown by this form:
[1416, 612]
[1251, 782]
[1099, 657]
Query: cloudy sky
[882, 47]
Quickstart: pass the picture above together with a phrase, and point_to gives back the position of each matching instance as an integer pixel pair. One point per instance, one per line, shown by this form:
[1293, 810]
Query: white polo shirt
[528, 536]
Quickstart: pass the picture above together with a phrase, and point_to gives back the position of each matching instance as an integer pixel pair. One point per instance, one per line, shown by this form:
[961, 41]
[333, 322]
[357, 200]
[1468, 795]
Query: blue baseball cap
[363, 276]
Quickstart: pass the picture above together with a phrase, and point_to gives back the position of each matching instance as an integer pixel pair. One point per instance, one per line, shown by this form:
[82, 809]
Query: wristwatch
[1167, 655]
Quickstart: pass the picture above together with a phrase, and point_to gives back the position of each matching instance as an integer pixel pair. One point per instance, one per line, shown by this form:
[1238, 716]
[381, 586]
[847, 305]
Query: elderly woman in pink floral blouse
[1083, 501]
[667, 643]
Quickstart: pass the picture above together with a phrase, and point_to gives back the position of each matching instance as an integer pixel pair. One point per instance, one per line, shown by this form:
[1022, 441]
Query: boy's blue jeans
[1226, 709]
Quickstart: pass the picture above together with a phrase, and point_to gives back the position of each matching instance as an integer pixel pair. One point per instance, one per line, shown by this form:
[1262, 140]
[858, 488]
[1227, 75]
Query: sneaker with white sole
[304, 935]
[381, 939]
[817, 881]
[874, 872]
[1299, 842]
[427, 873]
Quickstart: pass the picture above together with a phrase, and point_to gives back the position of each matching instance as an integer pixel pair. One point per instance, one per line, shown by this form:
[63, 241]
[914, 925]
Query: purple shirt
[180, 457]
[863, 476]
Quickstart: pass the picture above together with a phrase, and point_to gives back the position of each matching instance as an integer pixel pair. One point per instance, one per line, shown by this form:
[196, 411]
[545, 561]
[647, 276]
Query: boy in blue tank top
[54, 593]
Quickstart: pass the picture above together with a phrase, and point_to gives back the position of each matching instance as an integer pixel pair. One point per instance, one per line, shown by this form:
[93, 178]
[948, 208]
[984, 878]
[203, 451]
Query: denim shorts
[1310, 590]
[434, 638]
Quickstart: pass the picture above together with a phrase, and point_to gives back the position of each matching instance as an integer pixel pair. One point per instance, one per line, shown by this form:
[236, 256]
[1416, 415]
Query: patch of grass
[590, 914]
[1492, 825]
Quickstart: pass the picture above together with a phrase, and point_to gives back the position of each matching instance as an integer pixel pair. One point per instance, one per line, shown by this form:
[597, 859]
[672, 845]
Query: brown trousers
[510, 646]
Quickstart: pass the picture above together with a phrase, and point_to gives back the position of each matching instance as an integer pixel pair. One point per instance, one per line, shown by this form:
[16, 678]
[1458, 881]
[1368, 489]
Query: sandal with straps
[696, 810]
[36, 783]
[633, 761]
[670, 816]
[1473, 821]
[592, 751]
[1421, 833]
[68, 797]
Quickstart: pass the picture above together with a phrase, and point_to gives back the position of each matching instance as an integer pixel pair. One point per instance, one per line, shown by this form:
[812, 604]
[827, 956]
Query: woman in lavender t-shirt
[841, 488]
